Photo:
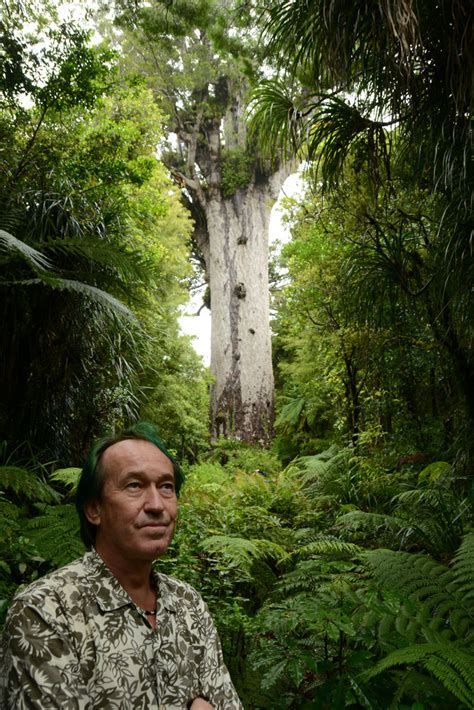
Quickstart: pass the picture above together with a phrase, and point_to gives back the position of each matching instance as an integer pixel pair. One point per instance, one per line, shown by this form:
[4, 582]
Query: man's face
[136, 514]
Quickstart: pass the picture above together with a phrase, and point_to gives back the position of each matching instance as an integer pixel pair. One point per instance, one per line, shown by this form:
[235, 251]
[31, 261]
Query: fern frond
[452, 666]
[459, 680]
[361, 519]
[56, 534]
[26, 485]
[8, 512]
[442, 611]
[322, 472]
[327, 546]
[463, 567]
[68, 476]
[241, 553]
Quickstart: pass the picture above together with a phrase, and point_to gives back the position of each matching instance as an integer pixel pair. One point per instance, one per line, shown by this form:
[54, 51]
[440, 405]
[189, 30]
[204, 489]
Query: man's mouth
[157, 526]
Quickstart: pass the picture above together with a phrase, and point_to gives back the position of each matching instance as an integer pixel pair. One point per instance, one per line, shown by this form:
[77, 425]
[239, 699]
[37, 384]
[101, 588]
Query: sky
[200, 326]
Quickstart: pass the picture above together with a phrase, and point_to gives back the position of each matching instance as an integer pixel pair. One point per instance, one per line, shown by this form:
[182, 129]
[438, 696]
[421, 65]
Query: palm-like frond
[32, 256]
[92, 293]
[337, 42]
[404, 57]
[275, 120]
[122, 264]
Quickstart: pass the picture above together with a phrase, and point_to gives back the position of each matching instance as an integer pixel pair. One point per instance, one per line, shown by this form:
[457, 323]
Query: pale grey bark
[241, 356]
[232, 236]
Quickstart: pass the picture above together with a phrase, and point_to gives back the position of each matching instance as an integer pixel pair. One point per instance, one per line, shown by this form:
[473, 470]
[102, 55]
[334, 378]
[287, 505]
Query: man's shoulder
[71, 575]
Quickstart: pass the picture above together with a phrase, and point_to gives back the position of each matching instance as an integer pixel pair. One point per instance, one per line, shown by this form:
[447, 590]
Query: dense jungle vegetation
[339, 563]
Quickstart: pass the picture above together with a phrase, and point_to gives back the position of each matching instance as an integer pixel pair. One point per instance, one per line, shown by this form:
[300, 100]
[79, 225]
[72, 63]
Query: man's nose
[154, 500]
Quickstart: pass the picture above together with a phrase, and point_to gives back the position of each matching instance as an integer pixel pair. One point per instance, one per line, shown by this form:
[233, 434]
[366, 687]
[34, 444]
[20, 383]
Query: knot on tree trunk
[240, 290]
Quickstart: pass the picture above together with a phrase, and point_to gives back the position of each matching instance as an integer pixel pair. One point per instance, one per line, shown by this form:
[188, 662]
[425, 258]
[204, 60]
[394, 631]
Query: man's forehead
[130, 453]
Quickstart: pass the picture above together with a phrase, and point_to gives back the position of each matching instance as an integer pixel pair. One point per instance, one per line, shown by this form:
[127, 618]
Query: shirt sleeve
[215, 681]
[40, 665]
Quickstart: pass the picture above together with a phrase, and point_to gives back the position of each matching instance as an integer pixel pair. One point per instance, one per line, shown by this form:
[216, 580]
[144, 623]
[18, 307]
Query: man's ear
[92, 512]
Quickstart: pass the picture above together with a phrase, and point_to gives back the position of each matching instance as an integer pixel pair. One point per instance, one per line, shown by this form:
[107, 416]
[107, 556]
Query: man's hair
[91, 481]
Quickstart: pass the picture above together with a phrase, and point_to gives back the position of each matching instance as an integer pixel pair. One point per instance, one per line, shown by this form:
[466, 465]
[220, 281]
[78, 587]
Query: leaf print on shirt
[75, 640]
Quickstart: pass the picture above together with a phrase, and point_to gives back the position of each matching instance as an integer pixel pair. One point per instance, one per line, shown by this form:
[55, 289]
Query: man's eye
[133, 484]
[169, 487]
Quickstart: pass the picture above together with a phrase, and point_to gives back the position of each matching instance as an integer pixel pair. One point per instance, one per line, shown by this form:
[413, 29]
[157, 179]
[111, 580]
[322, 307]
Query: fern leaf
[452, 679]
[68, 476]
[360, 519]
[241, 552]
[56, 534]
[463, 567]
[290, 413]
[327, 546]
[26, 485]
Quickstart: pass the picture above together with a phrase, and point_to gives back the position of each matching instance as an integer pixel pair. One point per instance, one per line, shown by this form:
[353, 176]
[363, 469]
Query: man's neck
[134, 576]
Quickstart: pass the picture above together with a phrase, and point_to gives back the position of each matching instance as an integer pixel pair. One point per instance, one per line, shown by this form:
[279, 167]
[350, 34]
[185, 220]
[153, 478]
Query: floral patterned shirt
[75, 640]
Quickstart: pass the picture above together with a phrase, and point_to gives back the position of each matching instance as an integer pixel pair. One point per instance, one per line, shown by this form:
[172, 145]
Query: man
[108, 631]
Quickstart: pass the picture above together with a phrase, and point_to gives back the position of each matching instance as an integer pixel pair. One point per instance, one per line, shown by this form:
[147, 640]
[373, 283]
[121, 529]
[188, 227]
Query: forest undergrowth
[334, 582]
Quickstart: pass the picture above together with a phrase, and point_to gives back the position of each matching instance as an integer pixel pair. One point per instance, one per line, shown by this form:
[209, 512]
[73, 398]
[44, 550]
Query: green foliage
[93, 241]
[306, 614]
[433, 517]
[20, 483]
[436, 602]
[373, 332]
[236, 170]
[374, 324]
[68, 476]
[238, 456]
[55, 534]
[22, 490]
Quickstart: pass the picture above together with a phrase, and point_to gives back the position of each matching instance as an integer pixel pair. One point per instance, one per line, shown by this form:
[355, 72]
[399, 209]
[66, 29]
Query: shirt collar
[109, 592]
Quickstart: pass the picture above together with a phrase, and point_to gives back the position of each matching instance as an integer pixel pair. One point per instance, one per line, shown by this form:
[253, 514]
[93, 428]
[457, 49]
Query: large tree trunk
[241, 358]
[231, 233]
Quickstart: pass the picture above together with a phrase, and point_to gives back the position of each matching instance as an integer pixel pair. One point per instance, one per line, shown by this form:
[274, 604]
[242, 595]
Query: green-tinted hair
[91, 480]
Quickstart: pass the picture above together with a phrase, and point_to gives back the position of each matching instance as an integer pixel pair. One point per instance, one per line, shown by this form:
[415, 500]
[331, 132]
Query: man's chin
[155, 549]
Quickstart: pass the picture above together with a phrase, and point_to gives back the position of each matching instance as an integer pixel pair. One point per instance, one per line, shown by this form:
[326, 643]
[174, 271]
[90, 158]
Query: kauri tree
[200, 59]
